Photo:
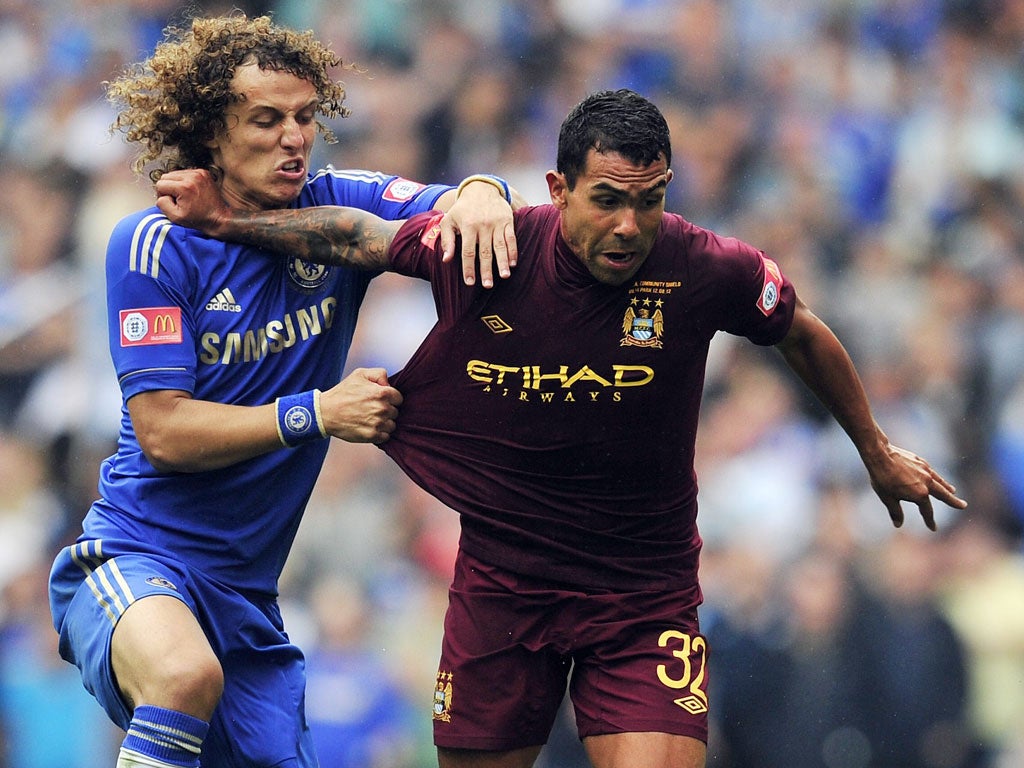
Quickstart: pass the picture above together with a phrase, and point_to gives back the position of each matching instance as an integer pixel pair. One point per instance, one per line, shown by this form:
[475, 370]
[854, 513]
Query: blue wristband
[298, 418]
[495, 181]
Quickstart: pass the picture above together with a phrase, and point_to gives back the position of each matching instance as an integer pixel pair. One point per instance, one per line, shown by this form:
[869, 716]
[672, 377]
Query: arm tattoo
[346, 237]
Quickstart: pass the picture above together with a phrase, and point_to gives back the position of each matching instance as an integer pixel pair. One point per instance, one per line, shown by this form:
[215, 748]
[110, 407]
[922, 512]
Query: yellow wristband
[495, 181]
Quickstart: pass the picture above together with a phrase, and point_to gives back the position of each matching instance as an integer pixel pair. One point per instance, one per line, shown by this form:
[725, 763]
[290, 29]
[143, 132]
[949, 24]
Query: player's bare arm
[812, 350]
[346, 237]
[181, 434]
[477, 213]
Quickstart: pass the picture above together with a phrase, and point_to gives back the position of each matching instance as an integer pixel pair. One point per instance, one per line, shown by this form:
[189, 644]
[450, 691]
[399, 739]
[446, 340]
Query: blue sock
[165, 737]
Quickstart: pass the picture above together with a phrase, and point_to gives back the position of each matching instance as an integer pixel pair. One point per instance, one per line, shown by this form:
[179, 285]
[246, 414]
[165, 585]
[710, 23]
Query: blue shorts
[260, 720]
[634, 661]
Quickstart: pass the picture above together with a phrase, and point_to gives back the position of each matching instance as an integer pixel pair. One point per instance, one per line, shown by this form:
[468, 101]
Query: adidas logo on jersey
[224, 302]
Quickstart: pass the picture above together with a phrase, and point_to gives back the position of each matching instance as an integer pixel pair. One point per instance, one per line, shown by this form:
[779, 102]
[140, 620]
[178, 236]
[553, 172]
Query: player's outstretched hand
[898, 475]
[483, 218]
[191, 197]
[362, 407]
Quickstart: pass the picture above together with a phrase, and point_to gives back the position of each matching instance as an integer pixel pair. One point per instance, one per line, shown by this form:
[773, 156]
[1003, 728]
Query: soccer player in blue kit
[570, 456]
[230, 379]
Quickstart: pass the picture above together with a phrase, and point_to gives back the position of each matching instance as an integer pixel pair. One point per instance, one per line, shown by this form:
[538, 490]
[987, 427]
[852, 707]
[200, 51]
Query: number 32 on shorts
[690, 675]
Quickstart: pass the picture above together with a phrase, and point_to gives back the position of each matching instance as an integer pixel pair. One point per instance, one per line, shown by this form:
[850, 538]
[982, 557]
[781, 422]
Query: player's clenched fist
[362, 407]
[192, 198]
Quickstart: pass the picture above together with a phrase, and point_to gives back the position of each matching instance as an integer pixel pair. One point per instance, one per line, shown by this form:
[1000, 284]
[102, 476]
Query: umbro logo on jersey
[224, 302]
[496, 324]
[695, 705]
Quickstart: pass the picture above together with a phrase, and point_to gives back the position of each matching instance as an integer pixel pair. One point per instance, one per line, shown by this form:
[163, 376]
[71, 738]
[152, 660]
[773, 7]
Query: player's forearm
[825, 367]
[179, 434]
[336, 235]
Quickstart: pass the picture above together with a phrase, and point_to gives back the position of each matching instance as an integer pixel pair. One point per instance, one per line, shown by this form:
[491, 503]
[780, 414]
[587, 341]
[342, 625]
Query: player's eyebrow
[604, 186]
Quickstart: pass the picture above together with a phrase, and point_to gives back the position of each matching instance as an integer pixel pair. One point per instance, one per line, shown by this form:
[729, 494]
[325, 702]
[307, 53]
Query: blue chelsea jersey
[232, 324]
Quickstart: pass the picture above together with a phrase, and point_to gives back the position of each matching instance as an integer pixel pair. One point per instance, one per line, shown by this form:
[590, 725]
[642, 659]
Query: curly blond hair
[175, 101]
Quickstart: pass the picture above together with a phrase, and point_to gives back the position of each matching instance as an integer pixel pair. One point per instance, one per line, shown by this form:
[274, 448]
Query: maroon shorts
[634, 662]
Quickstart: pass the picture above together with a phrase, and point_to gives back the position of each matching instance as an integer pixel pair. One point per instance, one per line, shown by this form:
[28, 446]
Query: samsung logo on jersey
[272, 338]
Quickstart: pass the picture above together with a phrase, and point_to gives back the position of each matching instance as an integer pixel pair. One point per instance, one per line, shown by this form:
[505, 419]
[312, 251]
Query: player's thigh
[642, 673]
[645, 750]
[160, 656]
[473, 758]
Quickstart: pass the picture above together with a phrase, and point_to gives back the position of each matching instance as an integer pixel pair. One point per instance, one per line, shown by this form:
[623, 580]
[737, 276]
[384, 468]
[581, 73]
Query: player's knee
[192, 684]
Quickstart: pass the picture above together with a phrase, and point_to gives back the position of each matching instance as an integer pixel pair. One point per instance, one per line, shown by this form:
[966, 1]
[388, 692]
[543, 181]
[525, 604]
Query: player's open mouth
[619, 257]
[293, 167]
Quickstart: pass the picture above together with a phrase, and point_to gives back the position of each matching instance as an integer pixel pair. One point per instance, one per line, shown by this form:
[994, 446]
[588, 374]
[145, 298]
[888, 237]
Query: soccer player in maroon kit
[557, 413]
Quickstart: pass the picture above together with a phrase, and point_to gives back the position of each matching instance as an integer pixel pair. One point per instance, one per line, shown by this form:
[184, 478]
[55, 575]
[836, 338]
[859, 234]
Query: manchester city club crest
[307, 275]
[443, 697]
[642, 328]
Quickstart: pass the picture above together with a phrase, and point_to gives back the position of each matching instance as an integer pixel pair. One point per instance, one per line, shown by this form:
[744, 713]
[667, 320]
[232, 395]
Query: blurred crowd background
[874, 148]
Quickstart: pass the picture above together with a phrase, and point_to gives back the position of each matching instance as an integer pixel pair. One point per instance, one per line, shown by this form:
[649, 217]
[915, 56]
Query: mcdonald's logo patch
[150, 325]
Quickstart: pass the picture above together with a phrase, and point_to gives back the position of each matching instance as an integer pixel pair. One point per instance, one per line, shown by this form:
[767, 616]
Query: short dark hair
[619, 121]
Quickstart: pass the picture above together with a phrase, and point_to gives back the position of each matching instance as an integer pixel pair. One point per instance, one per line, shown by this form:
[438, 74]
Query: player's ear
[219, 137]
[557, 188]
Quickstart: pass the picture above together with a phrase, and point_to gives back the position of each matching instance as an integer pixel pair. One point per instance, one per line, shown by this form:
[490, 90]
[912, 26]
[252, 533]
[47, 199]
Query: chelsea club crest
[307, 275]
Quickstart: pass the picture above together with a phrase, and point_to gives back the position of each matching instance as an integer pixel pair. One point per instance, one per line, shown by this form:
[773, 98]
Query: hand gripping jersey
[558, 415]
[232, 324]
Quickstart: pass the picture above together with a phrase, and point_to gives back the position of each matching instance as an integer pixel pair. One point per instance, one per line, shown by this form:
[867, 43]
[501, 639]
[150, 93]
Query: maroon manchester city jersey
[558, 415]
